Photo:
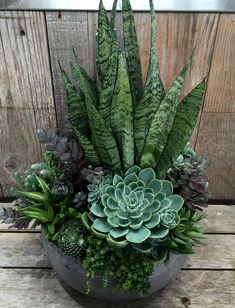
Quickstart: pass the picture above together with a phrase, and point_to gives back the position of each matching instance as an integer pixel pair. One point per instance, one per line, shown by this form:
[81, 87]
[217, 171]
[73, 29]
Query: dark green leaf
[122, 116]
[163, 121]
[153, 92]
[131, 49]
[104, 139]
[182, 128]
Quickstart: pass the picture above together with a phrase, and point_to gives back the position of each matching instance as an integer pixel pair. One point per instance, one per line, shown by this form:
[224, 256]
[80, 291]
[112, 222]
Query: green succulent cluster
[123, 122]
[72, 239]
[134, 208]
[187, 233]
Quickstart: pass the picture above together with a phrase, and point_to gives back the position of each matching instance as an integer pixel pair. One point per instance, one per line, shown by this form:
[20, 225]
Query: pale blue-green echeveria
[135, 208]
[96, 190]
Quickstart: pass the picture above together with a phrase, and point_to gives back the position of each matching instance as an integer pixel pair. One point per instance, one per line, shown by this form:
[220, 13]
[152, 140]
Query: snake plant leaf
[183, 125]
[77, 113]
[153, 92]
[104, 139]
[122, 116]
[163, 121]
[90, 151]
[132, 55]
[103, 42]
[86, 85]
[113, 15]
[107, 87]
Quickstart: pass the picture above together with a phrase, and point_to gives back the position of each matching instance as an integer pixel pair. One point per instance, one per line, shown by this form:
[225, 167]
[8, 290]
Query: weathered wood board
[36, 288]
[26, 99]
[216, 141]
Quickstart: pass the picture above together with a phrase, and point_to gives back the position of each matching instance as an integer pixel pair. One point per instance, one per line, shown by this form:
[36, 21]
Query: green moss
[130, 269]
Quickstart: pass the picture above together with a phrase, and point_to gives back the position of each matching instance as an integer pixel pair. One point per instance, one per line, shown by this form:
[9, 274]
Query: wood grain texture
[22, 249]
[36, 288]
[216, 142]
[66, 30]
[26, 100]
[219, 219]
[220, 96]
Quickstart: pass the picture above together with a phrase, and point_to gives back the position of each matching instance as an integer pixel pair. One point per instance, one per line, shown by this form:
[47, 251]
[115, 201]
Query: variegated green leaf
[90, 151]
[86, 85]
[104, 139]
[183, 125]
[153, 92]
[162, 122]
[132, 55]
[122, 116]
[107, 87]
[103, 42]
[113, 15]
[77, 112]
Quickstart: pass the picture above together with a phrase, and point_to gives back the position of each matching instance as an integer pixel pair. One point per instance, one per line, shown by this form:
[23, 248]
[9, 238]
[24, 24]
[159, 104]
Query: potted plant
[118, 195]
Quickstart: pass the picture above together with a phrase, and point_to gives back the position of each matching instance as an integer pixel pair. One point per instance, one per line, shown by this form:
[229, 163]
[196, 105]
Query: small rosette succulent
[134, 208]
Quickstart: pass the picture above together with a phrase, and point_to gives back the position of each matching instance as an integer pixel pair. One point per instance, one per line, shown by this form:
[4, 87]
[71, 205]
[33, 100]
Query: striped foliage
[113, 16]
[183, 125]
[77, 112]
[122, 116]
[107, 87]
[86, 85]
[132, 55]
[104, 139]
[153, 92]
[89, 148]
[103, 43]
[162, 122]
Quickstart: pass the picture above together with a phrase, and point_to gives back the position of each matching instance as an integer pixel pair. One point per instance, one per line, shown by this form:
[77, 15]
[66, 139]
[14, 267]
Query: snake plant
[124, 122]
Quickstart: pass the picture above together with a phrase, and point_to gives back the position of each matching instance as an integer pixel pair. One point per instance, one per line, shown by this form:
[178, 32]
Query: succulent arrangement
[123, 183]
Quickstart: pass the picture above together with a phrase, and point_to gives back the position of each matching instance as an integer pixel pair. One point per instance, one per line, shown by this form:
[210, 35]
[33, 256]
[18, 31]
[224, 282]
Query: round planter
[73, 274]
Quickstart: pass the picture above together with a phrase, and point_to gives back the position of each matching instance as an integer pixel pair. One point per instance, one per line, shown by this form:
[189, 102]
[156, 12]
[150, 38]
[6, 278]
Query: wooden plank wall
[32, 93]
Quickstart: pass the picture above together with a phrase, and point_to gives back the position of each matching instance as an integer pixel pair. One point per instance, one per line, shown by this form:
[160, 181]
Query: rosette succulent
[134, 208]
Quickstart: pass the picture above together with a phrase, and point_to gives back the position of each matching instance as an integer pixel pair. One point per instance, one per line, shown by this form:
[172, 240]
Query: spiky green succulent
[134, 208]
[72, 238]
[124, 123]
[187, 233]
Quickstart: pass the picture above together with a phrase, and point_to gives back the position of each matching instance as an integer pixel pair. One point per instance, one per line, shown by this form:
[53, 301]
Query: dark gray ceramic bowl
[72, 273]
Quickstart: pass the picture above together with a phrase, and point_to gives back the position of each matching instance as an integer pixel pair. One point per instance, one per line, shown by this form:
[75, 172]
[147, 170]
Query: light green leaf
[37, 196]
[138, 236]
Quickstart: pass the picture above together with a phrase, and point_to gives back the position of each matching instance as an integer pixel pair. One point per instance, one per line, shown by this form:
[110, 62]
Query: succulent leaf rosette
[134, 208]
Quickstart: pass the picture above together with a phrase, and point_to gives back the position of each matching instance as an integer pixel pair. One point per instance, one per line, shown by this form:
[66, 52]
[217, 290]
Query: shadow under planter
[73, 274]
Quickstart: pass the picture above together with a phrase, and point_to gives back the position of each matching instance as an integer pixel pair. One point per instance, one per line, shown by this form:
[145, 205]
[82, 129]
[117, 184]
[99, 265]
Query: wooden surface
[26, 100]
[32, 93]
[207, 280]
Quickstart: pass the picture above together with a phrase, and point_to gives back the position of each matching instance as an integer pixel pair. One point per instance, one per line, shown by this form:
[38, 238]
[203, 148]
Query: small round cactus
[72, 238]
